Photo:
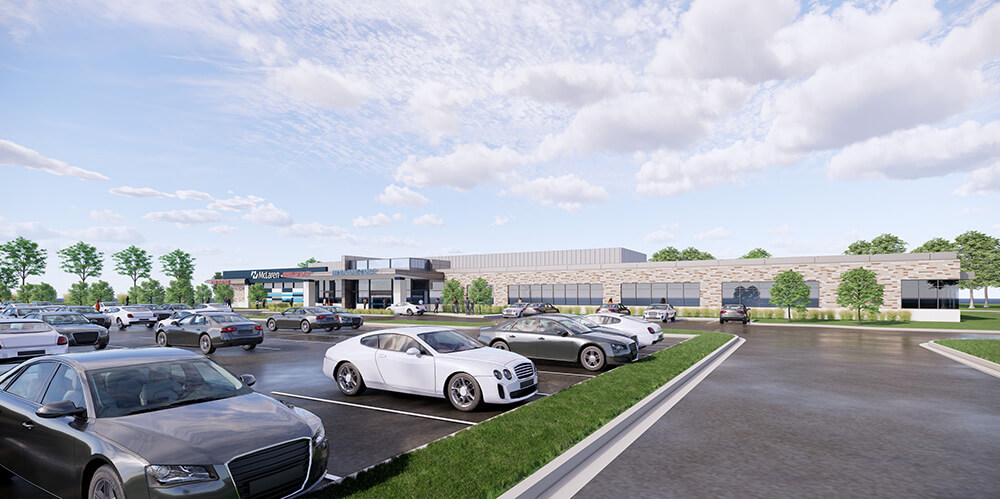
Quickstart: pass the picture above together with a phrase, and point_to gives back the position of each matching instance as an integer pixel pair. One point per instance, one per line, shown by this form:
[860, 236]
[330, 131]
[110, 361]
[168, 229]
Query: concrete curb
[570, 471]
[991, 368]
[873, 328]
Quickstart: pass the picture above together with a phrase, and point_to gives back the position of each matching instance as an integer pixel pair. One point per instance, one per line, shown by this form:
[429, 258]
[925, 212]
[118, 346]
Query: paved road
[819, 412]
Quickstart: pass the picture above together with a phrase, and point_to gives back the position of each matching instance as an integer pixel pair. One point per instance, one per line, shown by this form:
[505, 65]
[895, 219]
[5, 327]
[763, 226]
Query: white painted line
[544, 394]
[332, 477]
[566, 374]
[382, 409]
[991, 368]
[269, 348]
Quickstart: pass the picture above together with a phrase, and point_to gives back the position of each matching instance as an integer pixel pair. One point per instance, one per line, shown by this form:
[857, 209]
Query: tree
[790, 291]
[885, 243]
[180, 291]
[452, 291]
[936, 245]
[8, 281]
[979, 253]
[203, 293]
[79, 294]
[258, 292]
[757, 253]
[24, 258]
[223, 292]
[860, 247]
[100, 291]
[133, 262]
[308, 262]
[83, 260]
[37, 292]
[24, 292]
[152, 291]
[480, 292]
[178, 264]
[859, 290]
[668, 254]
[690, 254]
[5, 293]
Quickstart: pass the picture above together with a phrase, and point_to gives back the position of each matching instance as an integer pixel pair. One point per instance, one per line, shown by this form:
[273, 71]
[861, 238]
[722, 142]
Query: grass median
[488, 459]
[987, 321]
[984, 349]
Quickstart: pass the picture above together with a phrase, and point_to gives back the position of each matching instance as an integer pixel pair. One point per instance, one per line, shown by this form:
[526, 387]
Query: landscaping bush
[904, 315]
[815, 315]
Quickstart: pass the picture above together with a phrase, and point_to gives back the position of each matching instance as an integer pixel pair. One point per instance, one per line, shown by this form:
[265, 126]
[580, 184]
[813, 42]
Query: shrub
[830, 315]
[891, 315]
[815, 315]
[904, 315]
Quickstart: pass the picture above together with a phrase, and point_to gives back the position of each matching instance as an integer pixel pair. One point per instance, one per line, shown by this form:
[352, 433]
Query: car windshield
[81, 310]
[120, 391]
[64, 319]
[227, 318]
[136, 309]
[657, 307]
[338, 310]
[575, 325]
[23, 327]
[449, 341]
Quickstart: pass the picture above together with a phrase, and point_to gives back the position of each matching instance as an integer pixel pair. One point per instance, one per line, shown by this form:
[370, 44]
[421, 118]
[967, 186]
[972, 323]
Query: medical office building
[926, 284]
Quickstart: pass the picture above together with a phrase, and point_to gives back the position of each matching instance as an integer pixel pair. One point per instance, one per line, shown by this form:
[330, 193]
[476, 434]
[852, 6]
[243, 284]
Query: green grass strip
[984, 349]
[987, 321]
[444, 323]
[487, 459]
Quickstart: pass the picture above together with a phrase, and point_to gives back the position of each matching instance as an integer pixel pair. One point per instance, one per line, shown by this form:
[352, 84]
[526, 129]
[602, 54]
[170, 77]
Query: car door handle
[541, 338]
[27, 425]
[380, 356]
[510, 336]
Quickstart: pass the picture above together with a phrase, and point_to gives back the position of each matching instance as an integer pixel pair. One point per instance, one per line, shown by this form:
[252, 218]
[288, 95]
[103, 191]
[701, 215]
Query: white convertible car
[407, 308]
[645, 332]
[431, 361]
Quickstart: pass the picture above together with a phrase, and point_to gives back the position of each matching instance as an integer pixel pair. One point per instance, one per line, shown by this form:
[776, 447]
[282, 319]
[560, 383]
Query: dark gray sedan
[526, 309]
[556, 337]
[76, 327]
[154, 423]
[304, 319]
[92, 315]
[211, 330]
[343, 317]
[160, 311]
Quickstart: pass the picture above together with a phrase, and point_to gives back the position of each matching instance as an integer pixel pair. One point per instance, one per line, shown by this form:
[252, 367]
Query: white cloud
[468, 166]
[236, 203]
[188, 194]
[661, 235]
[398, 217]
[567, 83]
[17, 155]
[30, 230]
[714, 234]
[184, 217]
[919, 152]
[499, 220]
[139, 192]
[269, 214]
[316, 229]
[222, 229]
[568, 192]
[982, 181]
[321, 85]
[379, 220]
[106, 216]
[401, 196]
[781, 229]
[117, 233]
[428, 220]
[436, 109]
[206, 251]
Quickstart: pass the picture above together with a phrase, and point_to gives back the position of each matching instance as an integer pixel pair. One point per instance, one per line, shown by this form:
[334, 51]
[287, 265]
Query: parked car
[176, 306]
[431, 361]
[304, 319]
[211, 330]
[346, 318]
[176, 316]
[21, 311]
[108, 304]
[76, 327]
[25, 338]
[525, 309]
[124, 317]
[40, 303]
[662, 312]
[153, 423]
[560, 338]
[210, 307]
[407, 308]
[645, 332]
[159, 311]
[614, 308]
[739, 313]
[92, 315]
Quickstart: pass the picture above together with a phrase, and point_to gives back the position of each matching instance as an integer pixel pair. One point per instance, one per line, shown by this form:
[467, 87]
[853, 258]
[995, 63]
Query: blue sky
[258, 133]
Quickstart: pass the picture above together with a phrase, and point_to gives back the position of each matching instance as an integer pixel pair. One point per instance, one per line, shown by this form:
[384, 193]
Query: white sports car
[646, 333]
[431, 361]
[125, 316]
[25, 338]
[407, 308]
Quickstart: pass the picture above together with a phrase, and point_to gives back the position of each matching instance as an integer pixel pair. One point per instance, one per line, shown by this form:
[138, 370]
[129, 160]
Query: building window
[758, 293]
[556, 294]
[929, 293]
[678, 294]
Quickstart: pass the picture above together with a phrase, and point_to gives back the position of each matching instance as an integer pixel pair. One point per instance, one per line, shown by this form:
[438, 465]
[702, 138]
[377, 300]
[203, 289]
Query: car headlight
[506, 374]
[617, 347]
[496, 374]
[319, 435]
[177, 474]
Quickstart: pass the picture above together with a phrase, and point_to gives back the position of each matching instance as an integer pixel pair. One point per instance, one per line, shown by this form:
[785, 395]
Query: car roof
[101, 359]
[410, 330]
[16, 320]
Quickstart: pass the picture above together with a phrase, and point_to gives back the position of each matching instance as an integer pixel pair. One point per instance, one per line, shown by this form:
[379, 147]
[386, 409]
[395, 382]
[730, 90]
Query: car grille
[516, 394]
[274, 472]
[85, 338]
[524, 370]
[355, 320]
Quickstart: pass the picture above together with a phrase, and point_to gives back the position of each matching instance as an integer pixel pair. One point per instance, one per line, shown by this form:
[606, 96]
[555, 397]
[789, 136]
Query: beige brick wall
[712, 277]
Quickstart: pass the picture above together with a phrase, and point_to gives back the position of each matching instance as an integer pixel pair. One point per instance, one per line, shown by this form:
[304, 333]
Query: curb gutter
[876, 328]
[991, 368]
[565, 475]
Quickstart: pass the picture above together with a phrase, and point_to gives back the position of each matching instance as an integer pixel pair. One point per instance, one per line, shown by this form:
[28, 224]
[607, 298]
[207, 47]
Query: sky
[259, 133]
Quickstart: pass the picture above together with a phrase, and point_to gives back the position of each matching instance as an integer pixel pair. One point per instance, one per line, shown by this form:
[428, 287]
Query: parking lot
[363, 430]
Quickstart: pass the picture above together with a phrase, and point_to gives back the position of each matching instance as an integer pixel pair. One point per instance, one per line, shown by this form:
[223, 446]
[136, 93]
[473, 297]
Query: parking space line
[332, 477]
[393, 411]
[566, 374]
[269, 348]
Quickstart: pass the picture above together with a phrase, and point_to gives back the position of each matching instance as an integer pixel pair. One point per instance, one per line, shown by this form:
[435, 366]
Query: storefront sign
[268, 274]
[227, 281]
[273, 275]
[354, 271]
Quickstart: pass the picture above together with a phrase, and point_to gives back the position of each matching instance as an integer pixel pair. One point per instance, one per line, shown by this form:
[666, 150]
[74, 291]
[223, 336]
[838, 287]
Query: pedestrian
[468, 306]
[126, 299]
[437, 303]
[454, 308]
[610, 301]
[97, 305]
[663, 300]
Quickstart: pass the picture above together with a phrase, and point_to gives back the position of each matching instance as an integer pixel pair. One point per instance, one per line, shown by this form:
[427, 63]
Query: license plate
[25, 353]
[525, 384]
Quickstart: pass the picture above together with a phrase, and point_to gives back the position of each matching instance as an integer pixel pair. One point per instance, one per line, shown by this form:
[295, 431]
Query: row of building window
[556, 294]
[678, 294]
[930, 293]
[758, 293]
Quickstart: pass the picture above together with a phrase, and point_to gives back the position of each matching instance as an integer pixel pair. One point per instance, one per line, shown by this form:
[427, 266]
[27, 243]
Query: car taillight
[537, 309]
[318, 317]
[722, 312]
[62, 340]
[336, 317]
[230, 329]
[129, 316]
[650, 330]
[258, 328]
[739, 312]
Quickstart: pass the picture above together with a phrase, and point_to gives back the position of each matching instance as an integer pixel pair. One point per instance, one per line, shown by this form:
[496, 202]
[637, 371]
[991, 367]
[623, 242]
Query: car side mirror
[413, 351]
[173, 323]
[248, 379]
[564, 333]
[60, 409]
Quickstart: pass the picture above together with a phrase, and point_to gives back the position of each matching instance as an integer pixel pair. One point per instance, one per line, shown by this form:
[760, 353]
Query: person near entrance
[454, 309]
[468, 306]
[437, 304]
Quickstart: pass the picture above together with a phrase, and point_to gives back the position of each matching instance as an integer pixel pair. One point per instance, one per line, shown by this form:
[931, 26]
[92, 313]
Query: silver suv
[734, 313]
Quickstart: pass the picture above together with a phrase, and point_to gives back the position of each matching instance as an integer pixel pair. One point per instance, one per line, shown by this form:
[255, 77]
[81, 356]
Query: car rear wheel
[161, 339]
[121, 325]
[349, 380]
[409, 311]
[501, 345]
[106, 485]
[205, 344]
[249, 347]
[463, 392]
[328, 329]
[305, 327]
[150, 326]
[272, 325]
[355, 326]
[337, 328]
[592, 358]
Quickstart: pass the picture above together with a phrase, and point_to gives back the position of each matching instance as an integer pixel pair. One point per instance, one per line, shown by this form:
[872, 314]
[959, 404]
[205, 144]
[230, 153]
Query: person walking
[468, 306]
[126, 299]
[437, 304]
[454, 308]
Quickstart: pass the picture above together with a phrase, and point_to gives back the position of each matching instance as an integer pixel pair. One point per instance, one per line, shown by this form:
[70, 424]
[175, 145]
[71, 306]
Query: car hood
[207, 433]
[488, 355]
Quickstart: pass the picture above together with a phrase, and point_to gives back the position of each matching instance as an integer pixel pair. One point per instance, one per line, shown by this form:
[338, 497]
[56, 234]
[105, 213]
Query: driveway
[821, 412]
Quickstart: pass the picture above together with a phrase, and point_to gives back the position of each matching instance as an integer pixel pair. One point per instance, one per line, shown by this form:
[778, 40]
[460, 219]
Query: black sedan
[159, 311]
[525, 309]
[614, 308]
[562, 338]
[76, 327]
[153, 423]
[210, 330]
[304, 319]
[90, 313]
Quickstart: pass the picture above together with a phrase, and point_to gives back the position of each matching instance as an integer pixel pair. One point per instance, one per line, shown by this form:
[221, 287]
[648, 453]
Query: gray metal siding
[598, 256]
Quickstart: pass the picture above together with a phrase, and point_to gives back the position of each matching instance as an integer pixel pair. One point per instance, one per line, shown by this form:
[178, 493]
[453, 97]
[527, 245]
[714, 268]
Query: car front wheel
[349, 380]
[272, 325]
[106, 485]
[249, 347]
[501, 345]
[305, 327]
[100, 346]
[592, 358]
[150, 326]
[205, 344]
[121, 325]
[161, 339]
[409, 311]
[463, 392]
